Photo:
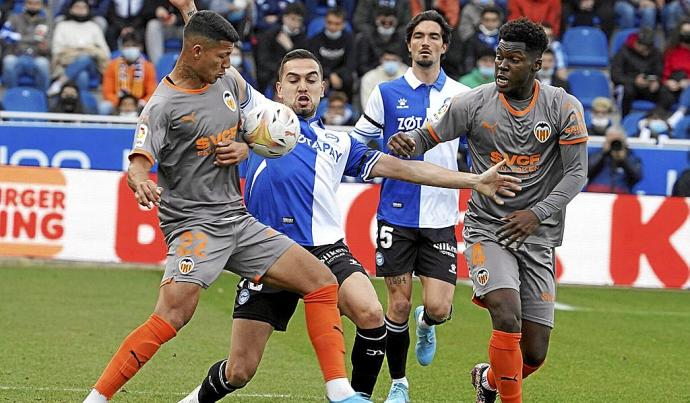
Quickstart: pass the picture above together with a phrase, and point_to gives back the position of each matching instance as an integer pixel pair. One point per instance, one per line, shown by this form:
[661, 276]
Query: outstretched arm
[489, 183]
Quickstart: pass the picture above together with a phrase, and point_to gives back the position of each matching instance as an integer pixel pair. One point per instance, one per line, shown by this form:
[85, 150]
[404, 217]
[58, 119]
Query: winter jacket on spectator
[369, 48]
[269, 53]
[363, 19]
[676, 59]
[137, 79]
[449, 8]
[336, 56]
[627, 63]
[537, 11]
[25, 34]
[74, 38]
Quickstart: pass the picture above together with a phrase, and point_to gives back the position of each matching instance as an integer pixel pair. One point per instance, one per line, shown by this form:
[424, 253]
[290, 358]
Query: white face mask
[235, 60]
[131, 53]
[291, 32]
[600, 122]
[130, 114]
[488, 32]
[658, 126]
[333, 35]
[385, 31]
[390, 67]
[545, 73]
[337, 119]
[487, 71]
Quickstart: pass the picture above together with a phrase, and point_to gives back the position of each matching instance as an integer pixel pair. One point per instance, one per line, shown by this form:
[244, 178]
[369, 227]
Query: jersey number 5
[386, 236]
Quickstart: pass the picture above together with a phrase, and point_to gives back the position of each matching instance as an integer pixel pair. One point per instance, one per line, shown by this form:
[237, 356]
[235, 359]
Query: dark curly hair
[429, 15]
[524, 30]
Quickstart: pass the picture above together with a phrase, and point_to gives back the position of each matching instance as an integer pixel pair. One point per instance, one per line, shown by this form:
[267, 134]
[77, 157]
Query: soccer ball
[272, 129]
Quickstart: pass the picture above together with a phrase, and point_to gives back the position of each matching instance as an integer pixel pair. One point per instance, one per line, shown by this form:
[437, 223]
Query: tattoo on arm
[191, 13]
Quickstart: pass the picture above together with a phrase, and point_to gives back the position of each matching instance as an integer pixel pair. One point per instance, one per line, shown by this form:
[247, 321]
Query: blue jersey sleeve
[361, 160]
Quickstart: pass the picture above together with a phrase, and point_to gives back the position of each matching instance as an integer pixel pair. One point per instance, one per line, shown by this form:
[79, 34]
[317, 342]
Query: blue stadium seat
[643, 105]
[586, 85]
[682, 129]
[586, 47]
[619, 39]
[89, 102]
[630, 122]
[165, 64]
[318, 24]
[173, 45]
[25, 99]
[684, 99]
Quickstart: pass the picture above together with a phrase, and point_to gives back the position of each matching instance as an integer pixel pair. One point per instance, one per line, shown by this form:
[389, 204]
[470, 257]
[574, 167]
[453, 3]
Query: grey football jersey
[180, 128]
[542, 139]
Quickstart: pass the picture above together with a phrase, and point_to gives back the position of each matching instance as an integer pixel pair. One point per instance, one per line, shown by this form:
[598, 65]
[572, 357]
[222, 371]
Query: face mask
[385, 31]
[685, 37]
[390, 67]
[80, 18]
[337, 119]
[236, 61]
[130, 114]
[69, 103]
[488, 32]
[658, 126]
[32, 12]
[545, 73]
[601, 122]
[486, 71]
[333, 35]
[131, 53]
[291, 32]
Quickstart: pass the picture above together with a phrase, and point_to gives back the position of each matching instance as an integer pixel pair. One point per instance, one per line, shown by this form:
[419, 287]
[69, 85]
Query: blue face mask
[487, 71]
[658, 126]
[390, 67]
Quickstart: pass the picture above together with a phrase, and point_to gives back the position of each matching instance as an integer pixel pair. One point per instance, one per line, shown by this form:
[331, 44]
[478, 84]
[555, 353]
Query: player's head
[427, 36]
[518, 56]
[208, 42]
[300, 82]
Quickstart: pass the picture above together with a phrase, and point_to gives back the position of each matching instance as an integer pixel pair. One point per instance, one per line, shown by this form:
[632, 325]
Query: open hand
[493, 184]
[230, 153]
[519, 225]
[401, 144]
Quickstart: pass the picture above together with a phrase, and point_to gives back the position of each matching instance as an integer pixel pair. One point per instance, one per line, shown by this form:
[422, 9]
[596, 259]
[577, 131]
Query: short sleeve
[452, 120]
[360, 160]
[572, 121]
[151, 130]
[370, 124]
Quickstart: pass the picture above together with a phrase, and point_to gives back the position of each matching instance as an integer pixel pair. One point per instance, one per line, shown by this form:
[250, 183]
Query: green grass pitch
[59, 327]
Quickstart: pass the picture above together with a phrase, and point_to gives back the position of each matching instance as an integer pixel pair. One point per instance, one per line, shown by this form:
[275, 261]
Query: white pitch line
[559, 306]
[145, 393]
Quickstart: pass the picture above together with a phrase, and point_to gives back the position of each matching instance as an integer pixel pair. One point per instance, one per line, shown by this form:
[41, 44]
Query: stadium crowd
[627, 61]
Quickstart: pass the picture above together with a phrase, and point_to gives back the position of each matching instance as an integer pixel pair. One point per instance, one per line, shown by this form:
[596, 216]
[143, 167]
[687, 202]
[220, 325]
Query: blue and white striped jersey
[404, 104]
[296, 193]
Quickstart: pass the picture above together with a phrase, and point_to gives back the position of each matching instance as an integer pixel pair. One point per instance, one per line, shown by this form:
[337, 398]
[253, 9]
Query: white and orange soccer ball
[272, 129]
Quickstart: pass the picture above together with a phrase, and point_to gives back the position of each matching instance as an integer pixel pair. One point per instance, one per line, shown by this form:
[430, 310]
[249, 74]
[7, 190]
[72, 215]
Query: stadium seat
[165, 64]
[586, 85]
[619, 39]
[25, 99]
[89, 102]
[630, 123]
[318, 24]
[682, 129]
[643, 105]
[173, 45]
[684, 99]
[586, 47]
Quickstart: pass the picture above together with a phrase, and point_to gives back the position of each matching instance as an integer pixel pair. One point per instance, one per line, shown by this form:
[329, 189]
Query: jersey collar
[414, 82]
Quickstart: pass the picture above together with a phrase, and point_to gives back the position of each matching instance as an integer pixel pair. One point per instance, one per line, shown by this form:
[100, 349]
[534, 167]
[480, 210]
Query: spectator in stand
[364, 21]
[674, 12]
[483, 73]
[269, 13]
[79, 49]
[68, 99]
[130, 74]
[273, 44]
[593, 13]
[319, 8]
[125, 16]
[558, 53]
[541, 11]
[450, 9]
[24, 38]
[390, 66]
[548, 74]
[235, 11]
[485, 37]
[99, 10]
[681, 188]
[243, 65]
[371, 45]
[470, 17]
[654, 126]
[339, 113]
[602, 116]
[628, 11]
[614, 169]
[167, 24]
[676, 72]
[128, 106]
[636, 70]
[334, 47]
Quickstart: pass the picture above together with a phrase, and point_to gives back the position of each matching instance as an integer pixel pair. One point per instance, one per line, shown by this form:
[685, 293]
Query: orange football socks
[506, 365]
[326, 331]
[137, 348]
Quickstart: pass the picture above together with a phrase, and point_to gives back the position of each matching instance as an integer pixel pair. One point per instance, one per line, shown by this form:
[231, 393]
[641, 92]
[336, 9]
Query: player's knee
[325, 278]
[439, 311]
[506, 319]
[177, 318]
[239, 373]
[400, 308]
[534, 355]
[369, 316]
